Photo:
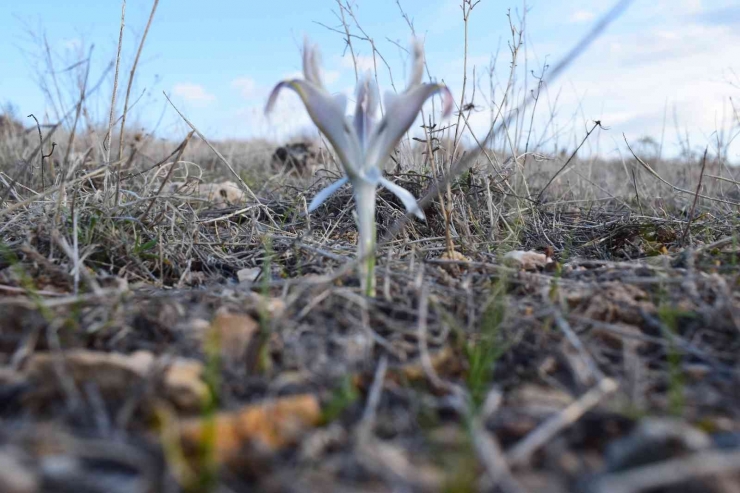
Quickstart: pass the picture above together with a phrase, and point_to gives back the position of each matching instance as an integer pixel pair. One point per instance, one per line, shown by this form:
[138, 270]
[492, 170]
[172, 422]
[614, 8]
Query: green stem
[370, 267]
[365, 206]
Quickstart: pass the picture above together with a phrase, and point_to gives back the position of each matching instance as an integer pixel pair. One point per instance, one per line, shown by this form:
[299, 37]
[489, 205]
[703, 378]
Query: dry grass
[464, 373]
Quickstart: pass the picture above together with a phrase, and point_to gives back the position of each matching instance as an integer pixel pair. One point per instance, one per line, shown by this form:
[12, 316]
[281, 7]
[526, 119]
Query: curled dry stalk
[41, 143]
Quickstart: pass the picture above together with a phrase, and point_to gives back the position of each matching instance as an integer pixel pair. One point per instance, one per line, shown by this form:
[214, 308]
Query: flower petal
[400, 112]
[417, 71]
[311, 58]
[326, 193]
[406, 197]
[365, 107]
[327, 113]
[341, 101]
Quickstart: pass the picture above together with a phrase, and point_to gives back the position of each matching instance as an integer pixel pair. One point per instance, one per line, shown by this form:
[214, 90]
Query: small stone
[322, 440]
[457, 263]
[530, 260]
[249, 274]
[235, 333]
[274, 307]
[115, 375]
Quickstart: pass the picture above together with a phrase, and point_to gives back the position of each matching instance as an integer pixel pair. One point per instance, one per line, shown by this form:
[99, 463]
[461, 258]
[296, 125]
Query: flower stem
[365, 206]
[369, 287]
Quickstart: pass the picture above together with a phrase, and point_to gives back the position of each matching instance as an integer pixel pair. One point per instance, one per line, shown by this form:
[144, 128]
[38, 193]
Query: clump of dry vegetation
[173, 320]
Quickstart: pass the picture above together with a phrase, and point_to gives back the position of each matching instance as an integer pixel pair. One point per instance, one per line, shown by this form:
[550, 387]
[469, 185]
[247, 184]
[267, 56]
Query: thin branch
[220, 156]
[41, 143]
[696, 198]
[107, 139]
[523, 450]
[128, 94]
[466, 161]
[669, 472]
[169, 174]
[597, 123]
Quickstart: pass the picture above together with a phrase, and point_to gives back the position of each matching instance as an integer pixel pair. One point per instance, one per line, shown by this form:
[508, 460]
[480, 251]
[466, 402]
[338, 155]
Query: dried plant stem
[637, 194]
[674, 187]
[78, 111]
[182, 147]
[431, 155]
[492, 457]
[696, 198]
[108, 135]
[469, 159]
[49, 191]
[597, 123]
[41, 143]
[77, 262]
[128, 95]
[221, 157]
[467, 6]
[523, 450]
[670, 472]
[722, 178]
[348, 39]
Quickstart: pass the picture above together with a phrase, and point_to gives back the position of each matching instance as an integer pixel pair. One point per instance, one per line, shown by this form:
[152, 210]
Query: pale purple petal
[274, 94]
[417, 71]
[341, 101]
[325, 193]
[311, 58]
[409, 202]
[327, 113]
[366, 106]
[400, 112]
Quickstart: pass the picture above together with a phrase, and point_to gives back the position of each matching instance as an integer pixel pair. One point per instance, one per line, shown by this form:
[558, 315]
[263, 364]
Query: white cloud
[692, 6]
[330, 76]
[193, 93]
[631, 80]
[581, 16]
[246, 86]
[72, 44]
[364, 62]
[653, 71]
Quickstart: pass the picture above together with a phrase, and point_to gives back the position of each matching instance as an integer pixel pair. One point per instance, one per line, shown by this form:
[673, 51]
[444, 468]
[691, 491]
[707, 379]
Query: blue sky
[219, 59]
